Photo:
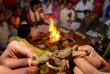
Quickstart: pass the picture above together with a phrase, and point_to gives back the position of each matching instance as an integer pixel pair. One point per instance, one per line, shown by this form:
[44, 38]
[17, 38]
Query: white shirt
[35, 16]
[47, 10]
[64, 16]
[91, 1]
[81, 7]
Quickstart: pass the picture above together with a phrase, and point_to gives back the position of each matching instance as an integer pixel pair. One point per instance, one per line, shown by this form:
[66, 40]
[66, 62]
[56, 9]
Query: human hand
[18, 50]
[83, 67]
[17, 58]
[81, 51]
[89, 53]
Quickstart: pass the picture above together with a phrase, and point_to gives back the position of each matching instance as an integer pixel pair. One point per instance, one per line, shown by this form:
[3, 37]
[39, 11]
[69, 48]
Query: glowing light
[54, 32]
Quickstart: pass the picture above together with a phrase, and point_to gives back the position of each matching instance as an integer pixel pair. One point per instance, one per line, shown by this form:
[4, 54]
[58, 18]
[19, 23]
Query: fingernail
[29, 62]
[34, 63]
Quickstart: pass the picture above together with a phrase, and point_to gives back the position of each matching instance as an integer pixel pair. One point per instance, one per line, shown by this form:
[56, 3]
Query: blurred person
[98, 8]
[86, 22]
[47, 7]
[25, 18]
[107, 14]
[91, 1]
[105, 4]
[74, 3]
[25, 36]
[56, 11]
[4, 31]
[62, 4]
[14, 20]
[35, 12]
[81, 6]
[67, 16]
[90, 22]
[95, 23]
[17, 59]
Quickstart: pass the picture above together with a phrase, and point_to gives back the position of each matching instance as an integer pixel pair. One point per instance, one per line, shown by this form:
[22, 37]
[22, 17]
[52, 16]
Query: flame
[54, 33]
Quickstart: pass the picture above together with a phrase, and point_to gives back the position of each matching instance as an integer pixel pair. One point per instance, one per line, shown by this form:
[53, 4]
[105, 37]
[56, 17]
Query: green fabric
[38, 51]
[107, 51]
[44, 69]
[108, 32]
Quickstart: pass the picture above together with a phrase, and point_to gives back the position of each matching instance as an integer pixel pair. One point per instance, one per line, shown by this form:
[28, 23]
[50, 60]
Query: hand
[88, 49]
[16, 59]
[83, 67]
[89, 54]
[18, 50]
[81, 51]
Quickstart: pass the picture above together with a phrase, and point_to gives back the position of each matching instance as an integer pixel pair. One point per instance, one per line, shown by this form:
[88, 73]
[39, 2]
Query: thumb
[85, 67]
[27, 70]
[17, 63]
[76, 70]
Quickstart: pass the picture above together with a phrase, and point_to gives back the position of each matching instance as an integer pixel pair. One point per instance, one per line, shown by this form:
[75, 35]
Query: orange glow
[54, 33]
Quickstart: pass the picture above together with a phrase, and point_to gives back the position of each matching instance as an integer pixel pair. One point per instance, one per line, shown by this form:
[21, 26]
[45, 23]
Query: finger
[16, 49]
[28, 70]
[16, 63]
[85, 67]
[77, 71]
[95, 61]
[78, 54]
[85, 48]
[24, 50]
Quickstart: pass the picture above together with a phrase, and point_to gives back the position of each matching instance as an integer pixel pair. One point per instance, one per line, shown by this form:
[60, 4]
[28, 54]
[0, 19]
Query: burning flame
[54, 33]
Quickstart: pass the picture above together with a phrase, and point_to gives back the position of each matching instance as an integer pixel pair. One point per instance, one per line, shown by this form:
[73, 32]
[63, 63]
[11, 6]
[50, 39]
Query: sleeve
[91, 6]
[77, 7]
